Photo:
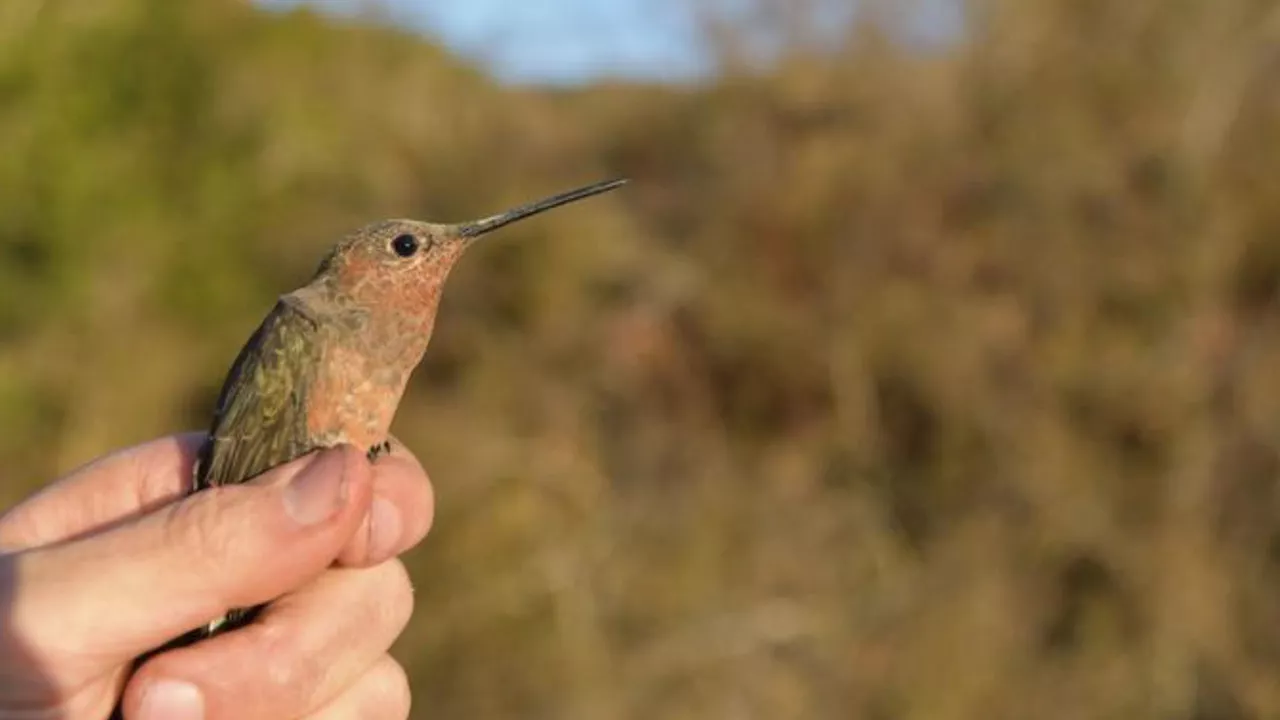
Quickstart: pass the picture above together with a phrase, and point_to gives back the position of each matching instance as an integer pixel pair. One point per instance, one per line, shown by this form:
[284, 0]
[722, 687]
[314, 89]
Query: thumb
[129, 589]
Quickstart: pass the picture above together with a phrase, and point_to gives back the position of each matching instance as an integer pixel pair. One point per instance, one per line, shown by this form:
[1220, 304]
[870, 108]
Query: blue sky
[559, 41]
[571, 41]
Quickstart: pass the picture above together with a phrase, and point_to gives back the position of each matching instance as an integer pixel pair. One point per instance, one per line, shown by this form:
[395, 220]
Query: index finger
[112, 488]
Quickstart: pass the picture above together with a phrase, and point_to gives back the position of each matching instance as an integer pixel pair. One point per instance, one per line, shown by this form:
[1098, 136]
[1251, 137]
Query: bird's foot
[379, 450]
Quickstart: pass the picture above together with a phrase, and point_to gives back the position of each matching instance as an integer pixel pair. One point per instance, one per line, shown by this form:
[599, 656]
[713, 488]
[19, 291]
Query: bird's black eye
[405, 245]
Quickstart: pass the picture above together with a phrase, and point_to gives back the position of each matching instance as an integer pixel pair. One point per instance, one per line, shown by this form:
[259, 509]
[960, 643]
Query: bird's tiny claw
[377, 451]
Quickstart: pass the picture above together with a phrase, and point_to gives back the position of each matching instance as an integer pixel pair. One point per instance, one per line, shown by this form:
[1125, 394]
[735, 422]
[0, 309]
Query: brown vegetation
[899, 384]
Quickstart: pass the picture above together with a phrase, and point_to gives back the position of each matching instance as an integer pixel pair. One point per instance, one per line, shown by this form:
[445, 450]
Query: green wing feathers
[260, 421]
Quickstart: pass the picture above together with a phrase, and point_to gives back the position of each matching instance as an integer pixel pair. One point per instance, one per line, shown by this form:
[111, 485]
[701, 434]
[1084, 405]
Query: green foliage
[897, 385]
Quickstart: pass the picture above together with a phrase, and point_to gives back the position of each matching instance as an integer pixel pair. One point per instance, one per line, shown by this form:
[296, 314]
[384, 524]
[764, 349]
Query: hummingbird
[330, 362]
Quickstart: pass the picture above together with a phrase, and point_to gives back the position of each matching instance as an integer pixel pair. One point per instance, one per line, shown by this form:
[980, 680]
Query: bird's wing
[260, 421]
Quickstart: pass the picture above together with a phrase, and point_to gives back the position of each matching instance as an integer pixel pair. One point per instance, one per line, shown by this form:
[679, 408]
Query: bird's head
[400, 266]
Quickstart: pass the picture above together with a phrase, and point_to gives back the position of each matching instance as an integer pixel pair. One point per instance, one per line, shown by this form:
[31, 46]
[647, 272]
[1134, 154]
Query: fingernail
[172, 700]
[384, 528]
[318, 491]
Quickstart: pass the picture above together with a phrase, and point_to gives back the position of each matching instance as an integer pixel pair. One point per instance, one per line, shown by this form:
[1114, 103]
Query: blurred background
[927, 368]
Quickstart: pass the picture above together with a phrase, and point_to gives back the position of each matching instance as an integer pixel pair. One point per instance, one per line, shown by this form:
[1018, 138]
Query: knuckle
[387, 693]
[194, 524]
[288, 670]
[203, 530]
[395, 590]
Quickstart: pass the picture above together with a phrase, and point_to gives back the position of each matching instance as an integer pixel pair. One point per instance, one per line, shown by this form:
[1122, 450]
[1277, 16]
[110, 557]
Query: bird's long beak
[477, 228]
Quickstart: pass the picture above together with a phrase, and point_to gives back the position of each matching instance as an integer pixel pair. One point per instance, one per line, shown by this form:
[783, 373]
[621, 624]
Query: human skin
[114, 559]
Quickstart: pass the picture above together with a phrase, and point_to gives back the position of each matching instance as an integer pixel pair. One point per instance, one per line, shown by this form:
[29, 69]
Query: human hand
[112, 561]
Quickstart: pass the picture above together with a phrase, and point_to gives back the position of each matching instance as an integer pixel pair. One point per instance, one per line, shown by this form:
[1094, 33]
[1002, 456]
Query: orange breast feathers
[354, 398]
